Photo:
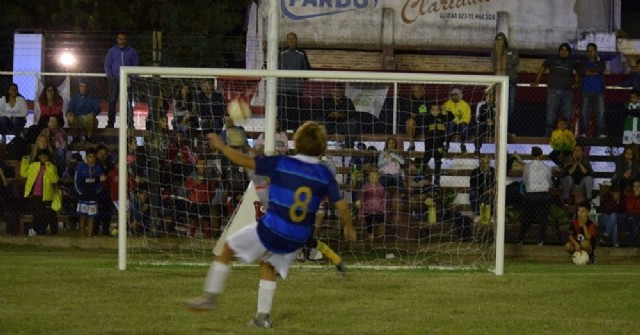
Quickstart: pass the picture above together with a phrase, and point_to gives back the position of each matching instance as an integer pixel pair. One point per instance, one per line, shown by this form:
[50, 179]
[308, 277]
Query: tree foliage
[195, 33]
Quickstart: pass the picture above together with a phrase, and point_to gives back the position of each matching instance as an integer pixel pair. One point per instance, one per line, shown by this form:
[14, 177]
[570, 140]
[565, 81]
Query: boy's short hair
[536, 151]
[586, 205]
[91, 151]
[310, 139]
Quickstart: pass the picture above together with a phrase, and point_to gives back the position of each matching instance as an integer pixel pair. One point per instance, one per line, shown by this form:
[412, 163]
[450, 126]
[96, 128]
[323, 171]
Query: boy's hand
[215, 142]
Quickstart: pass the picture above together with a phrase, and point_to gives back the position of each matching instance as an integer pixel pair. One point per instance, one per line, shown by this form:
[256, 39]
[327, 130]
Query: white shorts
[246, 244]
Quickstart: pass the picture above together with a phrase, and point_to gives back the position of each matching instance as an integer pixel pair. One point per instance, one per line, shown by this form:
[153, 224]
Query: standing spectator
[390, 167]
[58, 140]
[290, 89]
[82, 111]
[582, 233]
[482, 186]
[612, 210]
[13, 112]
[211, 108]
[631, 132]
[413, 111]
[435, 124]
[627, 169]
[577, 171]
[49, 105]
[632, 205]
[537, 182]
[562, 142]
[41, 187]
[485, 119]
[105, 204]
[185, 119]
[87, 181]
[42, 143]
[461, 114]
[634, 75]
[201, 189]
[505, 61]
[591, 71]
[340, 115]
[121, 54]
[562, 79]
[373, 204]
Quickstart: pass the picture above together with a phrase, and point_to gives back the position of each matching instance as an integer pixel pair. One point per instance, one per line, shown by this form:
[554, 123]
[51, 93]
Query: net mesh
[404, 138]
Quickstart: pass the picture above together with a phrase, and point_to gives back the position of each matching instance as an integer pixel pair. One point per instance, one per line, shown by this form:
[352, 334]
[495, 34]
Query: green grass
[61, 291]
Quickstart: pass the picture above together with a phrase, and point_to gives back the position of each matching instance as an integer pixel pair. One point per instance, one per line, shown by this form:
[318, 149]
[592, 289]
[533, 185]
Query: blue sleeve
[266, 165]
[107, 64]
[95, 105]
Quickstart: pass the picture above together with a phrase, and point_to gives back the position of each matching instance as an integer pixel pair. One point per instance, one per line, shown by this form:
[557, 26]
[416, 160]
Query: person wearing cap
[562, 79]
[40, 187]
[461, 114]
[82, 111]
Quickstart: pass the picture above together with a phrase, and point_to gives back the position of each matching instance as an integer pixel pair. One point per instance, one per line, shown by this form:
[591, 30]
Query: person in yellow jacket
[40, 188]
[461, 112]
[562, 142]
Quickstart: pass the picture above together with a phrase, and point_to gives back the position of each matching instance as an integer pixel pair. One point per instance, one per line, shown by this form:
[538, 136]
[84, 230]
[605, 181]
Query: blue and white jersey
[298, 186]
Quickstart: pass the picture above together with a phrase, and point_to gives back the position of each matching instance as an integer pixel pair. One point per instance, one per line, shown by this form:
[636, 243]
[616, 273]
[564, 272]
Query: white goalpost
[180, 233]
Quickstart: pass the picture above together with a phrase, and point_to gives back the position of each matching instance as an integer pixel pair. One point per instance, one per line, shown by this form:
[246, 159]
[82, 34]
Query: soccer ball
[580, 257]
[238, 110]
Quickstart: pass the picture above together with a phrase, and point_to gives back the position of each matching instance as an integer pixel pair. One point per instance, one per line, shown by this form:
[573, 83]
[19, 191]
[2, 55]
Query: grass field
[67, 291]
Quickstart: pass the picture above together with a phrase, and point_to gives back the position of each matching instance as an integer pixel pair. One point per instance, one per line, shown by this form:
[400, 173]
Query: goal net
[419, 157]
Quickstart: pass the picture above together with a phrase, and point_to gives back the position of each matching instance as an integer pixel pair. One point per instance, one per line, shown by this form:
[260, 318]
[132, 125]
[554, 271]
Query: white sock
[265, 296]
[218, 273]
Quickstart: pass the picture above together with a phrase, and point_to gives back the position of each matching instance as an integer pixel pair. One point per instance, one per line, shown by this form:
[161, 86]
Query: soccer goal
[184, 198]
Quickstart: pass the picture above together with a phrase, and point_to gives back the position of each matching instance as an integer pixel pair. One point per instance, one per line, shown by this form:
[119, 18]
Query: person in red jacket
[582, 232]
[201, 190]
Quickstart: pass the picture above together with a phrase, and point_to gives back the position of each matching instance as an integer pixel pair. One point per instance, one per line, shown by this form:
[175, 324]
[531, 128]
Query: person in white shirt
[537, 182]
[13, 112]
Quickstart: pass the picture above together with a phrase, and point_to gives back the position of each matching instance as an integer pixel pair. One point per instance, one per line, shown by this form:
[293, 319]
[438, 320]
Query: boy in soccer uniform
[435, 124]
[582, 232]
[87, 181]
[297, 186]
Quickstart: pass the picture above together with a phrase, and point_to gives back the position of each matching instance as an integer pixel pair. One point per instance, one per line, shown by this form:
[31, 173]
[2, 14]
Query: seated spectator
[181, 159]
[233, 135]
[627, 169]
[482, 184]
[49, 105]
[577, 172]
[13, 112]
[485, 119]
[88, 183]
[582, 233]
[390, 167]
[201, 190]
[340, 117]
[58, 140]
[562, 142]
[412, 111]
[41, 188]
[461, 113]
[211, 108]
[631, 132]
[82, 111]
[612, 211]
[537, 182]
[632, 205]
[185, 119]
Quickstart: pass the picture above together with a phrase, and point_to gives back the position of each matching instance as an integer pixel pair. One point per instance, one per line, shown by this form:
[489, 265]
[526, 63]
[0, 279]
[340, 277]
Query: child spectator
[582, 232]
[461, 114]
[373, 204]
[88, 179]
[632, 205]
[631, 133]
[562, 142]
[435, 125]
[58, 140]
[141, 211]
[482, 186]
[281, 141]
[201, 190]
[389, 166]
